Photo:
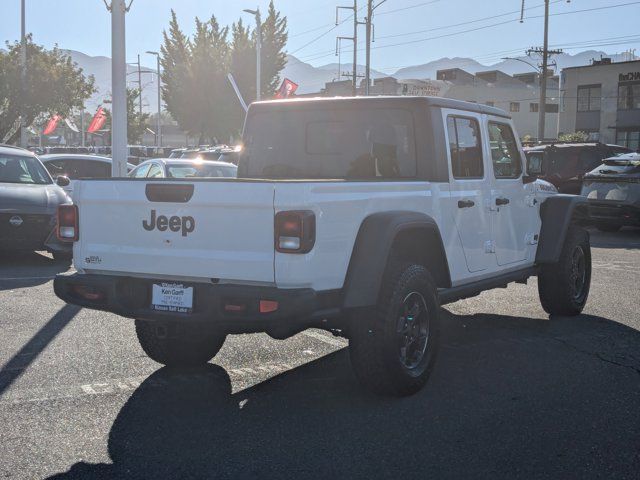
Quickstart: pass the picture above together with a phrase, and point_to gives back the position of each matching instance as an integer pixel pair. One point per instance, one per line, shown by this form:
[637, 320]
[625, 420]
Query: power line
[323, 54]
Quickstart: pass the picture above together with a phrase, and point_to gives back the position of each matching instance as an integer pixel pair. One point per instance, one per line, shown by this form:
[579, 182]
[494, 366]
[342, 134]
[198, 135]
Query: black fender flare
[557, 213]
[371, 251]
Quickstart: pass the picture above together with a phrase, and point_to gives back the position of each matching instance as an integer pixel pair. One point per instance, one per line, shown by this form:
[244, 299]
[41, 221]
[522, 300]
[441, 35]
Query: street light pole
[159, 124]
[256, 14]
[23, 75]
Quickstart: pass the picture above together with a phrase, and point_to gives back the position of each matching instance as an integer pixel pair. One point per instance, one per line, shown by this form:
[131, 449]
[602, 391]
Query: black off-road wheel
[62, 256]
[564, 286]
[393, 346]
[178, 345]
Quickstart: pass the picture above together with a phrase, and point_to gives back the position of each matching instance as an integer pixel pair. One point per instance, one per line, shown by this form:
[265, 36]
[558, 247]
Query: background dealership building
[517, 94]
[603, 99]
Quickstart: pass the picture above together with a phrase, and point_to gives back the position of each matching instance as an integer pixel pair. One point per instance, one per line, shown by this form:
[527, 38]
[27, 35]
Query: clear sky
[409, 32]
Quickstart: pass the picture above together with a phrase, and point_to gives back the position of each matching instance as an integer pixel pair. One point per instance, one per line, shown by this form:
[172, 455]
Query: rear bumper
[131, 297]
[615, 213]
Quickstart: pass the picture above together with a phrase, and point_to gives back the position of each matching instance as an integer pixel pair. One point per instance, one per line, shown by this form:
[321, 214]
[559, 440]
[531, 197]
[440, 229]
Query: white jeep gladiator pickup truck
[360, 216]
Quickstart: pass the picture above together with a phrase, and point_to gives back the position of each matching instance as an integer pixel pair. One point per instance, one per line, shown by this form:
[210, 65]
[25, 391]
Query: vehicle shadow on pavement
[18, 364]
[509, 397]
[28, 269]
[627, 238]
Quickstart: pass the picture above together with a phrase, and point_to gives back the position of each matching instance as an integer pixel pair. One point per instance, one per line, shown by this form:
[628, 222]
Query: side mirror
[62, 181]
[529, 179]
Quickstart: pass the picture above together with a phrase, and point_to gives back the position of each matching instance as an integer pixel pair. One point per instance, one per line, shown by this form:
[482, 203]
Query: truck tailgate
[202, 229]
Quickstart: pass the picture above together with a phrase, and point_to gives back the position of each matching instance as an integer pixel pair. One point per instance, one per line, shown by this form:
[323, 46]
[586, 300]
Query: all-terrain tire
[564, 286]
[178, 345]
[377, 334]
[608, 227]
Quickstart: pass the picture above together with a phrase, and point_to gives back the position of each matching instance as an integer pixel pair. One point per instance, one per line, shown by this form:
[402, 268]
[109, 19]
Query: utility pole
[355, 43]
[139, 84]
[159, 124]
[367, 71]
[545, 53]
[369, 25]
[23, 76]
[119, 153]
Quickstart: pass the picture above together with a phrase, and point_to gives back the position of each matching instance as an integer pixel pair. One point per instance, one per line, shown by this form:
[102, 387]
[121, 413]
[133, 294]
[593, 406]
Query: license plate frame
[172, 297]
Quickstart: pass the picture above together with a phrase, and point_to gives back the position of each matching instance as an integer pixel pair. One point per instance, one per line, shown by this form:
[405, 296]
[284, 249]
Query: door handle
[502, 201]
[466, 203]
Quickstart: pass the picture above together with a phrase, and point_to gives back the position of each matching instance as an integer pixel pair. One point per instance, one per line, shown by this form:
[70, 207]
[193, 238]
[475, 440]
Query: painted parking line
[15, 279]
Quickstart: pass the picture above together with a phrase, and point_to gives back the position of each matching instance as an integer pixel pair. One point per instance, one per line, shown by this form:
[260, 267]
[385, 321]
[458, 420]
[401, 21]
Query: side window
[96, 169]
[465, 147]
[505, 155]
[155, 171]
[141, 171]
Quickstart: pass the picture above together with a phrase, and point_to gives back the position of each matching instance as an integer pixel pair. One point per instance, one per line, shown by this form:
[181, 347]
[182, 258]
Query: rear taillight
[67, 230]
[295, 231]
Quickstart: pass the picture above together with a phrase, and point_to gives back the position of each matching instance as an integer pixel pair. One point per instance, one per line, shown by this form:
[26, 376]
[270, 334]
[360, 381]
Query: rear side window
[465, 147]
[155, 171]
[141, 171]
[505, 155]
[366, 143]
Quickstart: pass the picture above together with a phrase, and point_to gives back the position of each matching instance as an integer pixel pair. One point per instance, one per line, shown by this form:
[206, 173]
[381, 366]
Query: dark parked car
[564, 164]
[29, 202]
[613, 191]
[78, 166]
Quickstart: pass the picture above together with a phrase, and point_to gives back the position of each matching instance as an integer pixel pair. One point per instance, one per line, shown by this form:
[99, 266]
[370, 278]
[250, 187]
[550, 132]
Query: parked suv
[359, 216]
[564, 164]
[613, 191]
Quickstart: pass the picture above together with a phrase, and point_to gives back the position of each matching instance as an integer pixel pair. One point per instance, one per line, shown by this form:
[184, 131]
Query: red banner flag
[287, 89]
[52, 124]
[98, 121]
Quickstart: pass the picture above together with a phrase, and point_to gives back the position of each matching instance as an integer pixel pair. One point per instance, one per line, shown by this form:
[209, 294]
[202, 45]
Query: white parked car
[184, 168]
[360, 216]
[76, 166]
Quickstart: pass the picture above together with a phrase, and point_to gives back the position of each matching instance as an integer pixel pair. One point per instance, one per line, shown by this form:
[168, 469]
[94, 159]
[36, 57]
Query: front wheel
[564, 286]
[393, 346]
[177, 344]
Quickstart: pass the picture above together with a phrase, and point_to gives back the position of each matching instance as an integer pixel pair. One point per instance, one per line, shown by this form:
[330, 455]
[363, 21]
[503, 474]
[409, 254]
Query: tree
[54, 85]
[574, 137]
[136, 121]
[196, 90]
[209, 65]
[274, 59]
[175, 60]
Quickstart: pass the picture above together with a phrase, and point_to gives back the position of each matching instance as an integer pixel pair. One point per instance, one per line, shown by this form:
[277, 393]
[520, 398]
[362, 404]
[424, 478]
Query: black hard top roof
[438, 102]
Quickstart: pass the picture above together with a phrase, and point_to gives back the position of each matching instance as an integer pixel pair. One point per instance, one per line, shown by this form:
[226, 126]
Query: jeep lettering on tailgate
[175, 223]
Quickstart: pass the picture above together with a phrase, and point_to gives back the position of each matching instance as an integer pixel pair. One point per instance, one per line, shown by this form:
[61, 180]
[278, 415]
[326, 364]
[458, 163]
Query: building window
[589, 98]
[629, 96]
[533, 107]
[514, 106]
[551, 108]
[490, 104]
[628, 138]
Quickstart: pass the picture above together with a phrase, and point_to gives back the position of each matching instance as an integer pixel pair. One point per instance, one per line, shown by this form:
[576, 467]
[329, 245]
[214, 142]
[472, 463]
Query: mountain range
[312, 79]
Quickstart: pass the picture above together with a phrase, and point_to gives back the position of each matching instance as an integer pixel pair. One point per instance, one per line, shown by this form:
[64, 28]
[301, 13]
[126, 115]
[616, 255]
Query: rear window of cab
[366, 143]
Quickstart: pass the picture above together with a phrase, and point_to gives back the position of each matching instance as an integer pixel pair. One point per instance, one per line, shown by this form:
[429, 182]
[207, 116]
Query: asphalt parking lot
[514, 394]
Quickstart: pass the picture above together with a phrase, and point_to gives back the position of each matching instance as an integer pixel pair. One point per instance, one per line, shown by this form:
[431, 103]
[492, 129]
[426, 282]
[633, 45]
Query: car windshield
[22, 169]
[201, 170]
